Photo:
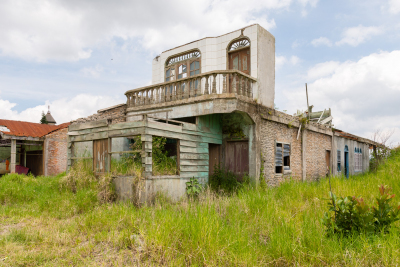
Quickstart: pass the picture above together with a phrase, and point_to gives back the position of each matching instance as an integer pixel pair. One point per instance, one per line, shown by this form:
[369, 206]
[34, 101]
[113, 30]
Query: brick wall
[316, 146]
[272, 132]
[116, 113]
[56, 152]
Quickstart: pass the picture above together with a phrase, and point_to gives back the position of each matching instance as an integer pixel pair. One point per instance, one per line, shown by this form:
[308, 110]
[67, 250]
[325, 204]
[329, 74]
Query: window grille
[239, 44]
[339, 161]
[190, 55]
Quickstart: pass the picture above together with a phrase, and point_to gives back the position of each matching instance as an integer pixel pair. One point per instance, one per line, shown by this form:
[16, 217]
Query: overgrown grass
[41, 224]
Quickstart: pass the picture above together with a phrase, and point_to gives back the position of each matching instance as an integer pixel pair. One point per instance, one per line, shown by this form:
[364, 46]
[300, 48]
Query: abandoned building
[40, 149]
[213, 99]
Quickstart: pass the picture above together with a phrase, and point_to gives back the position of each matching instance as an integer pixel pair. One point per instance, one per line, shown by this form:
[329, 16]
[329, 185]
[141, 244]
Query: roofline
[210, 37]
[115, 106]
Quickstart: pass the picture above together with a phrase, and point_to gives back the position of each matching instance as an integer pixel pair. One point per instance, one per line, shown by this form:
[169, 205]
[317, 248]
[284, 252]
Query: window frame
[289, 171]
[357, 159]
[339, 161]
[185, 61]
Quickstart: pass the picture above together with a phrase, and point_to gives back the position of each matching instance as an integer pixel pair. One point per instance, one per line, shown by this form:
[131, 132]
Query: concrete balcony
[206, 86]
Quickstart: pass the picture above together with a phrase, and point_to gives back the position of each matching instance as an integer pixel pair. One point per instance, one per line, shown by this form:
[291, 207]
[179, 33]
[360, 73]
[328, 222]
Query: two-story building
[213, 99]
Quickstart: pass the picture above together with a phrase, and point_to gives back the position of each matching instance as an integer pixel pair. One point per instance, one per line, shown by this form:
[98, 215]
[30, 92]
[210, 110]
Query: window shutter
[278, 156]
[286, 150]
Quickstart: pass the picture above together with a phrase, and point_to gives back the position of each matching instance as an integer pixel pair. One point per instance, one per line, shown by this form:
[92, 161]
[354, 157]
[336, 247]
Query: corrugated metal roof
[23, 128]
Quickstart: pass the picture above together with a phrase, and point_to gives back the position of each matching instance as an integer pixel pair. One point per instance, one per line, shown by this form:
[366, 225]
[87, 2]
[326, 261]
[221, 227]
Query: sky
[79, 56]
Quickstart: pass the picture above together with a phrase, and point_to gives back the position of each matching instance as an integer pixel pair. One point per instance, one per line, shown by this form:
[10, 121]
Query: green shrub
[163, 164]
[353, 215]
[225, 181]
[193, 188]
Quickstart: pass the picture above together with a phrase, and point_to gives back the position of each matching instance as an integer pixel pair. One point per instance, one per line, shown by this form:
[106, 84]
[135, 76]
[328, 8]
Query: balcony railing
[213, 82]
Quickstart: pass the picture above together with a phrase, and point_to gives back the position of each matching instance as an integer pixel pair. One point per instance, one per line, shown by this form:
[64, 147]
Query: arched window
[182, 66]
[238, 54]
[241, 43]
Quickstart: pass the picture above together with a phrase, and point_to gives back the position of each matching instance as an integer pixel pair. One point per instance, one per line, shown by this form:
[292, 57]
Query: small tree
[43, 120]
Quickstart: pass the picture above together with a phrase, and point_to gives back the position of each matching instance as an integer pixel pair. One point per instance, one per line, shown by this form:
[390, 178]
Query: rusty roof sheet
[29, 129]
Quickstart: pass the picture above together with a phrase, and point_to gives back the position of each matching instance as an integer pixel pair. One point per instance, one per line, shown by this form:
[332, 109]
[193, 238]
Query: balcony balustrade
[213, 82]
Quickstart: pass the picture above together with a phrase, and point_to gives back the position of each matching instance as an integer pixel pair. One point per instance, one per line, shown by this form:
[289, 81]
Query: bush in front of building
[351, 215]
[224, 181]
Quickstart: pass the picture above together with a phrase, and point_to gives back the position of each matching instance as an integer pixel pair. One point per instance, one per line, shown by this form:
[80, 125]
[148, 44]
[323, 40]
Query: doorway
[214, 157]
[239, 60]
[328, 162]
[237, 157]
[346, 161]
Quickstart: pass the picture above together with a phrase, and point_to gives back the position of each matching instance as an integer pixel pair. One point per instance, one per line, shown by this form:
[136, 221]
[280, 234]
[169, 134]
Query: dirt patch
[5, 229]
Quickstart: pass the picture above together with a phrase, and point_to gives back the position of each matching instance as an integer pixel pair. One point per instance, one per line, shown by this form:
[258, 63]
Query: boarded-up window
[338, 161]
[100, 155]
[282, 157]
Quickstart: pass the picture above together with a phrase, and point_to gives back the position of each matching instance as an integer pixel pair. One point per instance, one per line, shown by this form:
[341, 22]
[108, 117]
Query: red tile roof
[23, 128]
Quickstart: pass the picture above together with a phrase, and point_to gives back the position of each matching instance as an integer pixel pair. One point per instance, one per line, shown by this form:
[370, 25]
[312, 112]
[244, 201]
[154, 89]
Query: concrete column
[303, 154]
[13, 154]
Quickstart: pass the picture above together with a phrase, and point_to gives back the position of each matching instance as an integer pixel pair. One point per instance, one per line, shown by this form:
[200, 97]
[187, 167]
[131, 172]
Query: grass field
[41, 224]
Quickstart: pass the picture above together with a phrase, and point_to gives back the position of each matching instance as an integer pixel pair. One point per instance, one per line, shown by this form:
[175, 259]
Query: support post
[304, 154]
[206, 92]
[214, 84]
[224, 84]
[13, 154]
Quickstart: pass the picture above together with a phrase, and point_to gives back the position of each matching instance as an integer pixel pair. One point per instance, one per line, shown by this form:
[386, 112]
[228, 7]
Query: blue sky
[81, 56]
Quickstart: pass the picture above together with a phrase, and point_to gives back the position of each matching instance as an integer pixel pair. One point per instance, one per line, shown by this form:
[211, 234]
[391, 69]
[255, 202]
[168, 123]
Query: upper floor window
[182, 66]
[239, 44]
[170, 74]
[238, 53]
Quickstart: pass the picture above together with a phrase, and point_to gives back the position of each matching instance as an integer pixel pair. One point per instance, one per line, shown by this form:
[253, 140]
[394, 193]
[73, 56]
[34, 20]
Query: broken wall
[55, 152]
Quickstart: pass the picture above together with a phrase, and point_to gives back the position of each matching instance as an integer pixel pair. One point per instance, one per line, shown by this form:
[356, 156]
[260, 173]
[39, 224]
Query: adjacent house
[40, 149]
[213, 99]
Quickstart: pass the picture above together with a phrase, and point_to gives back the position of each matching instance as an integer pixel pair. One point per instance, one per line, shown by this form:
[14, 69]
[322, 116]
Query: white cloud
[312, 3]
[93, 71]
[322, 70]
[321, 41]
[282, 60]
[69, 30]
[364, 95]
[394, 6]
[294, 60]
[63, 110]
[357, 35]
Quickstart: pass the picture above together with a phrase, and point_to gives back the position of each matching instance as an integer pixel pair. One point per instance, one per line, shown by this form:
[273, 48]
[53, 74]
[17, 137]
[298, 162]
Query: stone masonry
[272, 132]
[316, 146]
[55, 152]
[115, 113]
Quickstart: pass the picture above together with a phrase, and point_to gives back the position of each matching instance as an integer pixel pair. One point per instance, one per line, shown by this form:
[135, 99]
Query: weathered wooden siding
[194, 140]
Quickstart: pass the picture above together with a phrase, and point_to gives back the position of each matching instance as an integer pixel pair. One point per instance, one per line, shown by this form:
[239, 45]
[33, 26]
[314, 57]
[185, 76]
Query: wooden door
[214, 157]
[239, 60]
[328, 161]
[237, 157]
[100, 155]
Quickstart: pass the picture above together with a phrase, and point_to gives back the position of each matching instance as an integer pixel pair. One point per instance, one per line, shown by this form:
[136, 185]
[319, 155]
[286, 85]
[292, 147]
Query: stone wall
[272, 132]
[116, 113]
[55, 152]
[316, 146]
